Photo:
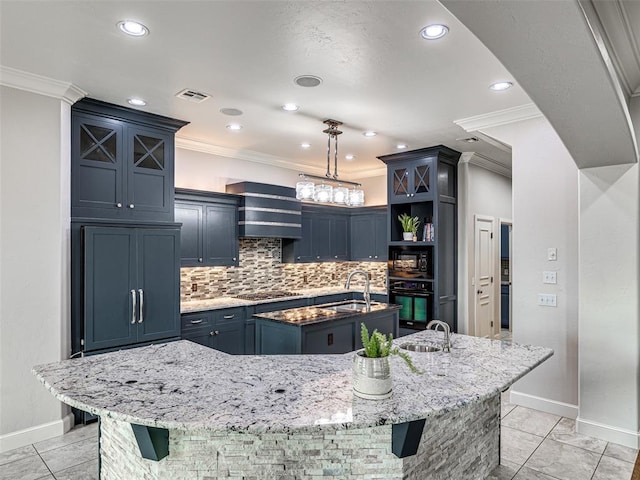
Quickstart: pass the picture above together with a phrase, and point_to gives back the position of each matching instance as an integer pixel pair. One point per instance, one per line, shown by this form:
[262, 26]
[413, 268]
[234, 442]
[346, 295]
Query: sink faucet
[367, 292]
[447, 333]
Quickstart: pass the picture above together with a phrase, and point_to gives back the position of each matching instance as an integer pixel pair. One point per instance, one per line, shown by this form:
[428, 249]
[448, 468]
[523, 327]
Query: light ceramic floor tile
[16, 454]
[530, 421]
[84, 471]
[68, 456]
[526, 473]
[29, 468]
[74, 435]
[621, 453]
[517, 446]
[565, 432]
[611, 468]
[502, 472]
[563, 461]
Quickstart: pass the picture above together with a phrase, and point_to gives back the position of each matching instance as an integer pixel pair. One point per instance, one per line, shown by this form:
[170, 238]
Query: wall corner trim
[37, 433]
[30, 82]
[527, 111]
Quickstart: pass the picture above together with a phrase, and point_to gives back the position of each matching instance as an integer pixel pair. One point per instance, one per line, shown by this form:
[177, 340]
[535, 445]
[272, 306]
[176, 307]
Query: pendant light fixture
[325, 193]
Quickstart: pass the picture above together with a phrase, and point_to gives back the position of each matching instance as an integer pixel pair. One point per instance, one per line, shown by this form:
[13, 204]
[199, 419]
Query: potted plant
[409, 226]
[371, 366]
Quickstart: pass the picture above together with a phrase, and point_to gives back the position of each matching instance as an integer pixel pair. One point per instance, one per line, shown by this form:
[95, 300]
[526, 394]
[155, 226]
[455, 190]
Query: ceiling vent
[192, 95]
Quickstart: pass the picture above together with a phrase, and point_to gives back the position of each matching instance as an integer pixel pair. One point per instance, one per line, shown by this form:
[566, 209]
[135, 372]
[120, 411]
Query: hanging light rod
[329, 179]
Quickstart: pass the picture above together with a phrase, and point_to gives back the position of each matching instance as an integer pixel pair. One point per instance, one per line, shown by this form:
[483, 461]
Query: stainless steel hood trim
[266, 195]
[271, 224]
[270, 210]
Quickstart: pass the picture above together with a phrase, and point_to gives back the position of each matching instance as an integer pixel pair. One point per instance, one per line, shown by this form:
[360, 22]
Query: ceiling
[378, 74]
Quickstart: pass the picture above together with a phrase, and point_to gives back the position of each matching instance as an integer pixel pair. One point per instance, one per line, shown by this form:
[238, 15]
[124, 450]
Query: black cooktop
[266, 295]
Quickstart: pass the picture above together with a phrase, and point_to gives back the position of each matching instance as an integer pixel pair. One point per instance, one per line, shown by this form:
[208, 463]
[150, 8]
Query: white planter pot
[407, 236]
[371, 377]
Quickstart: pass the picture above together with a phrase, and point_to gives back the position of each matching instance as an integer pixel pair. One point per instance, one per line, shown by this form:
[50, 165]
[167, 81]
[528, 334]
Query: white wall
[545, 214]
[34, 232]
[480, 192]
[204, 171]
[609, 326]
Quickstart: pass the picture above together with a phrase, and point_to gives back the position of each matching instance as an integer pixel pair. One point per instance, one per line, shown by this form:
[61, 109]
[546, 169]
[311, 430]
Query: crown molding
[489, 164]
[499, 117]
[262, 158]
[30, 82]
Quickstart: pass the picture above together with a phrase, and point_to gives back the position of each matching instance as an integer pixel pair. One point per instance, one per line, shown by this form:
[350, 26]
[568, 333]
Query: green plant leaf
[407, 359]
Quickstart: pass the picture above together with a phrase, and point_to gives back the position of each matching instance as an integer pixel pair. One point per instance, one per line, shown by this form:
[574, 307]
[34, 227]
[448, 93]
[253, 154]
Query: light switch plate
[547, 300]
[552, 254]
[549, 277]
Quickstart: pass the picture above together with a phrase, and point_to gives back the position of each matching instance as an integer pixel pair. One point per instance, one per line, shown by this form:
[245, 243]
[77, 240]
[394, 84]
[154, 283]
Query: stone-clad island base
[460, 444]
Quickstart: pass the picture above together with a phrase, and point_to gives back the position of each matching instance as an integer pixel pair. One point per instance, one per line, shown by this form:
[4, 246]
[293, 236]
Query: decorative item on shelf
[307, 190]
[428, 233]
[409, 226]
[372, 368]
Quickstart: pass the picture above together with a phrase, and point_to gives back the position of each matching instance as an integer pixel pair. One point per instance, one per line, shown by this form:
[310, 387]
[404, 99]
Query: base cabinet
[213, 330]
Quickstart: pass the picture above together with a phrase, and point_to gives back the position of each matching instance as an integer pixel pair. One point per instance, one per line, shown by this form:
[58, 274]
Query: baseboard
[35, 434]
[544, 405]
[617, 435]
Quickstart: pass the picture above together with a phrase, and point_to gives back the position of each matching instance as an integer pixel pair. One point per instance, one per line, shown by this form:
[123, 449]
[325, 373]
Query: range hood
[268, 210]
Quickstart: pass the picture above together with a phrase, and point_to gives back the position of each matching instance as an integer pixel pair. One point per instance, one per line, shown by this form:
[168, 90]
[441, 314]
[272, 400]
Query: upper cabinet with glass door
[122, 163]
[411, 181]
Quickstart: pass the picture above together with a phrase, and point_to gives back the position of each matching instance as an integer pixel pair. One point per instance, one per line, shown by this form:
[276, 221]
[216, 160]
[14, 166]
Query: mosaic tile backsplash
[261, 270]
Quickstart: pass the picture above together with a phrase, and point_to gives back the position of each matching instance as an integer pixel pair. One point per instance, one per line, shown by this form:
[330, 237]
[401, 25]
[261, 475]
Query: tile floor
[534, 446]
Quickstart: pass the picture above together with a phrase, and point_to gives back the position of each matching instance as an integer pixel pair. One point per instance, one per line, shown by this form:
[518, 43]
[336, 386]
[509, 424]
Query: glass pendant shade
[356, 197]
[341, 195]
[323, 193]
[304, 190]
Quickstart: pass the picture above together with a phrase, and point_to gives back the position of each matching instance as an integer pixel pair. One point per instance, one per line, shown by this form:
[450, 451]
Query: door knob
[131, 205]
[119, 205]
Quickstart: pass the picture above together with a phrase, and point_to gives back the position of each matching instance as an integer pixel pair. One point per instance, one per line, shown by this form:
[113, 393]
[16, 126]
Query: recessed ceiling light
[233, 112]
[305, 145]
[234, 126]
[290, 107]
[349, 156]
[433, 32]
[370, 133]
[401, 145]
[136, 102]
[133, 28]
[499, 86]
[307, 81]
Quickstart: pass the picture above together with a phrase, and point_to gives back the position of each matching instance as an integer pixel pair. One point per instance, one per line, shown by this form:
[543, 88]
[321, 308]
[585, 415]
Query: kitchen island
[183, 411]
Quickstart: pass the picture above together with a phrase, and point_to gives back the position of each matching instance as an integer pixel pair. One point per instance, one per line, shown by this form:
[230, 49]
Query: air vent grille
[192, 95]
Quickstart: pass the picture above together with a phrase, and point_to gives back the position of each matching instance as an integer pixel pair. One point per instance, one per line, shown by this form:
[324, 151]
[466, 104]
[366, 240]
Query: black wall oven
[416, 300]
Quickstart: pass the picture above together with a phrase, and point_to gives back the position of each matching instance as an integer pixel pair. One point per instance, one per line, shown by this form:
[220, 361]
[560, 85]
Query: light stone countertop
[229, 302]
[182, 385]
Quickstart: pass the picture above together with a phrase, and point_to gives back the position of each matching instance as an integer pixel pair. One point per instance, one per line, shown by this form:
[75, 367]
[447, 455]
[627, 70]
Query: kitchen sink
[349, 307]
[420, 347]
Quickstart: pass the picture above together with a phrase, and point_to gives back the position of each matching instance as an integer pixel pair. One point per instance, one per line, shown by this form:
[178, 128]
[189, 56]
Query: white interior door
[484, 271]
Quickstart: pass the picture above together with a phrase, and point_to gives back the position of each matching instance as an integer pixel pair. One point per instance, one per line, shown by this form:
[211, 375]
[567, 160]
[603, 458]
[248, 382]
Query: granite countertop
[310, 315]
[229, 302]
[182, 385]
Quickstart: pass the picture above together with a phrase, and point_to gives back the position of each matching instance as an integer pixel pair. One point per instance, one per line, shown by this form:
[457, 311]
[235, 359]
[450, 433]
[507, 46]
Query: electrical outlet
[194, 287]
[547, 300]
[549, 277]
[369, 275]
[305, 279]
[333, 276]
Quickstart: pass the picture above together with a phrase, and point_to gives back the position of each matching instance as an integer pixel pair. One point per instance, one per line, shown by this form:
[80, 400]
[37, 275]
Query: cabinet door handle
[375, 256]
[336, 256]
[141, 319]
[119, 205]
[195, 322]
[133, 307]
[234, 259]
[131, 205]
[229, 317]
[318, 257]
[369, 256]
[408, 195]
[212, 333]
[298, 258]
[216, 332]
[412, 194]
[200, 260]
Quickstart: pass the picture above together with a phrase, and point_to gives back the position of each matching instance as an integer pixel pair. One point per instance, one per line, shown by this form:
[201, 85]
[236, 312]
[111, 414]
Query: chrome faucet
[446, 346]
[367, 292]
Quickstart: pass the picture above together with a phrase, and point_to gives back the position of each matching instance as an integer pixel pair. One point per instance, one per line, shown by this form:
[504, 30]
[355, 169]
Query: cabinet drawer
[191, 321]
[228, 314]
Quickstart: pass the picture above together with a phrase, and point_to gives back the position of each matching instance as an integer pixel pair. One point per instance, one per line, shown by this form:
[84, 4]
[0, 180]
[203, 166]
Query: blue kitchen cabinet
[209, 233]
[131, 291]
[410, 179]
[368, 235]
[223, 329]
[122, 163]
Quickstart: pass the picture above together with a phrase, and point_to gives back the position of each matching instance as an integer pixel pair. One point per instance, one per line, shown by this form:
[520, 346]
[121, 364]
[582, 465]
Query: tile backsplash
[261, 270]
